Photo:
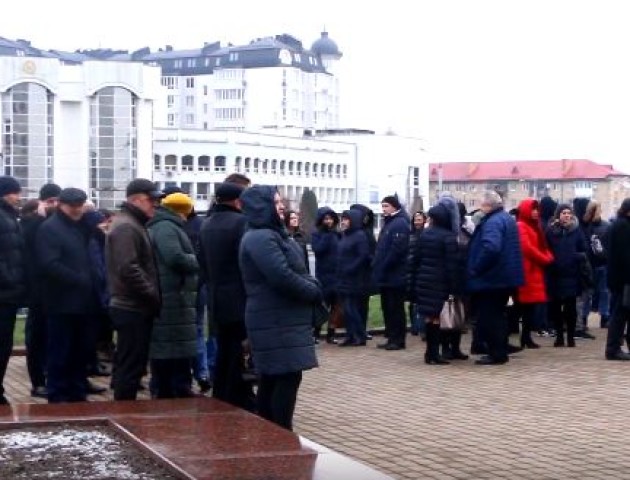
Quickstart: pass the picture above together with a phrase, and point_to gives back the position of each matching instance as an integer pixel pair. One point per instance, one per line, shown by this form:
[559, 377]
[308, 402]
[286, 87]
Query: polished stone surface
[205, 439]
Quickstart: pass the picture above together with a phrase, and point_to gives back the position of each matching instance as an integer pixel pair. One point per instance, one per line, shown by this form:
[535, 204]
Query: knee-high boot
[432, 355]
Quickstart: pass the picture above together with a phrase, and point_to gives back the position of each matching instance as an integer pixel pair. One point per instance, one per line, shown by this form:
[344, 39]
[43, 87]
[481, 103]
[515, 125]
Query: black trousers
[531, 312]
[617, 325]
[277, 396]
[364, 309]
[393, 306]
[68, 353]
[492, 327]
[229, 385]
[172, 377]
[564, 312]
[7, 326]
[132, 351]
[36, 340]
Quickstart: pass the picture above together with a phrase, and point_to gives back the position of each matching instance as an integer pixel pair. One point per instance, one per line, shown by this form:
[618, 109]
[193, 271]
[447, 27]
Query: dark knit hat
[49, 190]
[227, 191]
[142, 185]
[72, 196]
[9, 185]
[393, 201]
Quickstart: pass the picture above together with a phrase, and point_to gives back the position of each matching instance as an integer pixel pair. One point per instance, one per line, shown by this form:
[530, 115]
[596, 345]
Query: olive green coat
[174, 333]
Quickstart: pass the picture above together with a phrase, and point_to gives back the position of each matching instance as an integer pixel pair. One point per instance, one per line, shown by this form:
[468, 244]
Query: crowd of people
[540, 268]
[135, 286]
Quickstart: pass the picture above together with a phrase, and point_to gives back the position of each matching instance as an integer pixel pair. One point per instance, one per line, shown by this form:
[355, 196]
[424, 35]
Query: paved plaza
[549, 414]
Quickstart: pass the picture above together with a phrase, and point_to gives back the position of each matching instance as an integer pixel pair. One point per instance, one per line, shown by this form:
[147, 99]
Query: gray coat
[280, 292]
[174, 332]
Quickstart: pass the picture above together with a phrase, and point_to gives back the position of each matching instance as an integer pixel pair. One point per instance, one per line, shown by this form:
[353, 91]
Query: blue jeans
[417, 320]
[600, 276]
[200, 364]
[355, 328]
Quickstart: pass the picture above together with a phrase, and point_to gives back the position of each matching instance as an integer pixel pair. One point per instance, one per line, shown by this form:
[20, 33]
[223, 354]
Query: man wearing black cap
[221, 236]
[134, 287]
[69, 296]
[389, 270]
[12, 270]
[36, 337]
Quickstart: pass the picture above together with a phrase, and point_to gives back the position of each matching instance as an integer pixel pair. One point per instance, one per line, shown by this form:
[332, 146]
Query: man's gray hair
[493, 199]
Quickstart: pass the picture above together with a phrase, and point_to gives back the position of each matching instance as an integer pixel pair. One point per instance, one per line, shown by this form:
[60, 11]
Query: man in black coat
[69, 296]
[12, 270]
[36, 331]
[619, 282]
[389, 267]
[221, 236]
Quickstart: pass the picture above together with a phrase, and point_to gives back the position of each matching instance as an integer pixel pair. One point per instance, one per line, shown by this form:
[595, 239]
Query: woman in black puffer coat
[436, 276]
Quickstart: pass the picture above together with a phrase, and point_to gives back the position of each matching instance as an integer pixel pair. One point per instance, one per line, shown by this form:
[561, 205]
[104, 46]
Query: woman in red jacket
[536, 256]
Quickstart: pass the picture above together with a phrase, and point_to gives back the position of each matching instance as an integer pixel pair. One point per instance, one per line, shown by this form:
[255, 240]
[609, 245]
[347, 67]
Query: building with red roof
[516, 180]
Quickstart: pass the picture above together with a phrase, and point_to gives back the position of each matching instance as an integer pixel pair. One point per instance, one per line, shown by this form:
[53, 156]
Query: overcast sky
[477, 79]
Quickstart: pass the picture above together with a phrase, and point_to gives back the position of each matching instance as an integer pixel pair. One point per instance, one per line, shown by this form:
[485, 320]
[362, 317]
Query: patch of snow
[101, 455]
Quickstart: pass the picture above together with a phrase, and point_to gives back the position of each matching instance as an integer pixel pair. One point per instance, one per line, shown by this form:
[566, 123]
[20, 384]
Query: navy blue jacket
[353, 269]
[221, 236]
[324, 243]
[436, 266]
[96, 249]
[569, 251]
[13, 277]
[495, 261]
[280, 293]
[64, 258]
[390, 258]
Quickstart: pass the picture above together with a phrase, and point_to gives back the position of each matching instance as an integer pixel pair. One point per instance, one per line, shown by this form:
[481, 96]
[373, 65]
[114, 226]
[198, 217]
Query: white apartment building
[76, 122]
[271, 82]
[197, 160]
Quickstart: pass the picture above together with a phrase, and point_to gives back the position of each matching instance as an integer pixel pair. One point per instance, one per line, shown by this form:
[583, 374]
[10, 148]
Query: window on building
[237, 164]
[217, 62]
[291, 168]
[234, 57]
[274, 167]
[472, 187]
[205, 108]
[283, 166]
[170, 100]
[178, 63]
[203, 191]
[583, 184]
[472, 202]
[170, 163]
[190, 100]
[203, 163]
[206, 62]
[192, 62]
[186, 187]
[205, 89]
[157, 163]
[171, 120]
[190, 82]
[220, 164]
[247, 164]
[190, 119]
[170, 82]
[187, 163]
[205, 125]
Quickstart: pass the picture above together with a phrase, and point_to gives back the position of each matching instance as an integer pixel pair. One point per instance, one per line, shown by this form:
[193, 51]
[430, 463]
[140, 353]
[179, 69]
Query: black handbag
[625, 297]
[321, 314]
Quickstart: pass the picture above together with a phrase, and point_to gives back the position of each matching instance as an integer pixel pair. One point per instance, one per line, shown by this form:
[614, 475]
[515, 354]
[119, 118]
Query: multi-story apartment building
[562, 180]
[271, 82]
[77, 122]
